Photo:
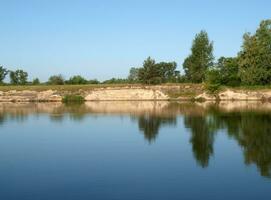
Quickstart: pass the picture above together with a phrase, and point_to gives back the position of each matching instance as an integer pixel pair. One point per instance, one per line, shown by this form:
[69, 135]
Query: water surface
[135, 150]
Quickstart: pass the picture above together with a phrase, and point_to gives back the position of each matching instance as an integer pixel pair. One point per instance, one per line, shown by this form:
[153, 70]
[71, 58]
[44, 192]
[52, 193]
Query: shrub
[56, 80]
[212, 88]
[73, 99]
[94, 81]
[77, 80]
[213, 77]
[36, 81]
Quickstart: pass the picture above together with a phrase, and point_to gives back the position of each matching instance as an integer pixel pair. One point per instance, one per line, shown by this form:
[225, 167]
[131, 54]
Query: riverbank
[167, 92]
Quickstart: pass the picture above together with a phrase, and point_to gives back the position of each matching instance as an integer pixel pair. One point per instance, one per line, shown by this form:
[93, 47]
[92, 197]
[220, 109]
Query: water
[135, 150]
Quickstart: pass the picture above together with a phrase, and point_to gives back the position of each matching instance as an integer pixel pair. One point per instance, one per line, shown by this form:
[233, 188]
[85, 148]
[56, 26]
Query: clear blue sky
[103, 39]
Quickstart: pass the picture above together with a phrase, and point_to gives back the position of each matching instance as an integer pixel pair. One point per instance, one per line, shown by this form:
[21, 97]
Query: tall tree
[201, 58]
[255, 56]
[3, 74]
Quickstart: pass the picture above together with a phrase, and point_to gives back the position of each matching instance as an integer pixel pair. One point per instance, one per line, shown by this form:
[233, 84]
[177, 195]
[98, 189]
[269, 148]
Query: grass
[213, 88]
[240, 88]
[255, 87]
[71, 88]
[74, 88]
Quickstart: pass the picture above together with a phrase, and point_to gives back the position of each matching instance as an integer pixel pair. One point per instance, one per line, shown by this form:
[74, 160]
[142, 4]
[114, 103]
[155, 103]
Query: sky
[105, 38]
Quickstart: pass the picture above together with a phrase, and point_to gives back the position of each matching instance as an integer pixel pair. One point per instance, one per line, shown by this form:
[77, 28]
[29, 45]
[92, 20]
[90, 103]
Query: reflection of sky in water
[177, 153]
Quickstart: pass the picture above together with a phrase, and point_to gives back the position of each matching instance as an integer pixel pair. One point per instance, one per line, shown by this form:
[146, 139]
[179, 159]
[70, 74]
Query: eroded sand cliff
[149, 93]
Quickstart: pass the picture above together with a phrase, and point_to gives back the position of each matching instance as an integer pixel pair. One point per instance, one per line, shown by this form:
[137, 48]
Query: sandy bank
[138, 93]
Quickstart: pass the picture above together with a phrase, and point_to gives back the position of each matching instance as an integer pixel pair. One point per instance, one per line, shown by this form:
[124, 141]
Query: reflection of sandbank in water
[165, 107]
[114, 107]
[236, 106]
[156, 108]
[130, 107]
[203, 121]
[28, 108]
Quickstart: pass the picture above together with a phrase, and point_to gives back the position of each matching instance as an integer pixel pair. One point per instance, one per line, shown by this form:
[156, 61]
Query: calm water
[135, 150]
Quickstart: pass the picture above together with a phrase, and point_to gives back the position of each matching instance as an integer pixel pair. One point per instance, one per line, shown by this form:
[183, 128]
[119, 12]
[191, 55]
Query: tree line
[20, 77]
[251, 66]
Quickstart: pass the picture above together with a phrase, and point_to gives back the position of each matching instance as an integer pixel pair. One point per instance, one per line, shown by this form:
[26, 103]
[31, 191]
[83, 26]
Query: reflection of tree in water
[252, 131]
[57, 117]
[256, 140]
[76, 112]
[2, 118]
[18, 117]
[254, 136]
[202, 138]
[150, 125]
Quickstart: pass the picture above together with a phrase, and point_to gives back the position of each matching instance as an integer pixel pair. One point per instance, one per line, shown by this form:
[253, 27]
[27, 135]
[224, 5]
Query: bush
[213, 77]
[212, 88]
[94, 81]
[73, 99]
[36, 81]
[182, 79]
[225, 72]
[56, 80]
[116, 81]
[77, 80]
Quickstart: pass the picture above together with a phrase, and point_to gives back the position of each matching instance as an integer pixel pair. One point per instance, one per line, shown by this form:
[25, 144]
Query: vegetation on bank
[250, 67]
[73, 99]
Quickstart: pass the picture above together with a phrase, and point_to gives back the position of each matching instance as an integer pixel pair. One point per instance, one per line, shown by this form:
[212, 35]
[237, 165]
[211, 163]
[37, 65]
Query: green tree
[3, 74]
[77, 80]
[255, 57]
[167, 71]
[154, 73]
[133, 75]
[56, 80]
[36, 81]
[229, 71]
[18, 77]
[94, 81]
[149, 73]
[13, 78]
[201, 58]
[225, 72]
[115, 81]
